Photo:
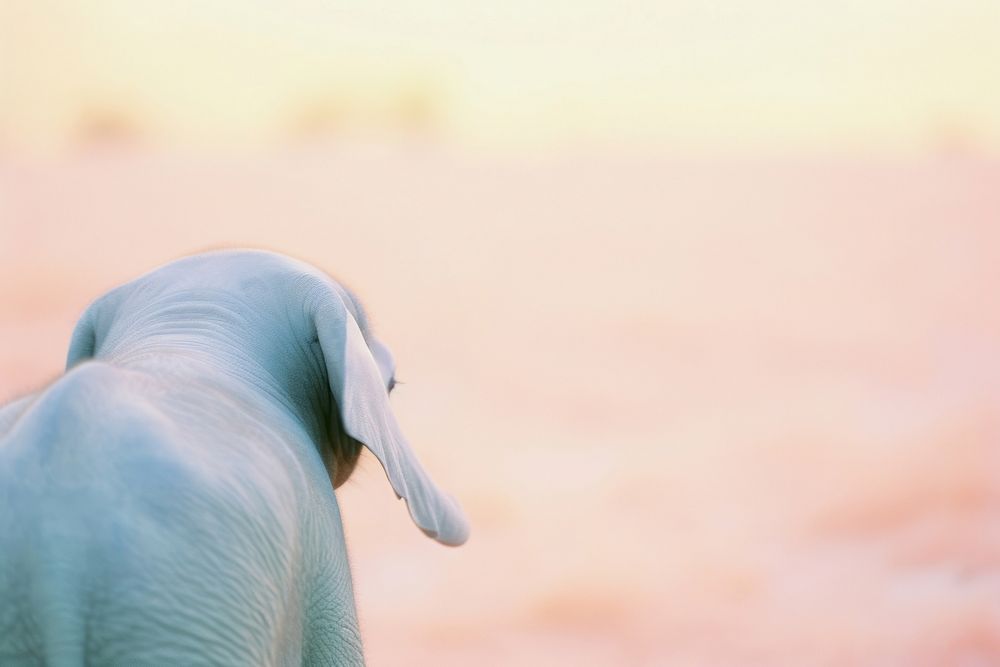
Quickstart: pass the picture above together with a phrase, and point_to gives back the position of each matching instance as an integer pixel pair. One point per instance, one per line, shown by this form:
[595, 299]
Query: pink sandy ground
[729, 412]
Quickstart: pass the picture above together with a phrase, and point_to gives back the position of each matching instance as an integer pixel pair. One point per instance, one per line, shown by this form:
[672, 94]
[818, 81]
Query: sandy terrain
[740, 412]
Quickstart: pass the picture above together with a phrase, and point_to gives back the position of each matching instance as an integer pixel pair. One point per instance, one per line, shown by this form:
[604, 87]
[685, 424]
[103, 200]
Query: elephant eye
[392, 385]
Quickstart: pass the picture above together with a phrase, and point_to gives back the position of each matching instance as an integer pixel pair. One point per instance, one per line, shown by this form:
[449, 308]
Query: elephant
[170, 500]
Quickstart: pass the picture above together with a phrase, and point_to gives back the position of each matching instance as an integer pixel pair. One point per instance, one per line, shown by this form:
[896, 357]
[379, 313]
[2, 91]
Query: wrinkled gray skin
[170, 500]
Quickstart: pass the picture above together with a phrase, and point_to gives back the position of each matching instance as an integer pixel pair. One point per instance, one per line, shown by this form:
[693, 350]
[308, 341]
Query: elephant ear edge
[359, 391]
[83, 342]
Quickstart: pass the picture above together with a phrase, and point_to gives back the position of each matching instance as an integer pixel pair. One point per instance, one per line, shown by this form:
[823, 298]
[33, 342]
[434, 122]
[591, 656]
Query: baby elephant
[169, 501]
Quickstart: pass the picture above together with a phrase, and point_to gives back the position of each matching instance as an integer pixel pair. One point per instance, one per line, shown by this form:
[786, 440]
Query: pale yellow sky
[748, 75]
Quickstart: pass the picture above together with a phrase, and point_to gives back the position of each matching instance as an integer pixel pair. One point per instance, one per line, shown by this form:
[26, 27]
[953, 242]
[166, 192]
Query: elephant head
[296, 329]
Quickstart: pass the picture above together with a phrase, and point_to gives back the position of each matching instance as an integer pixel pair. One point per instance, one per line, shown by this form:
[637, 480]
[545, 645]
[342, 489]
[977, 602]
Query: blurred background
[694, 301]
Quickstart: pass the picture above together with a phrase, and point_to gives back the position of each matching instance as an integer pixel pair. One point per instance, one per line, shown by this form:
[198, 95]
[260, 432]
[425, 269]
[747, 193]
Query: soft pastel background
[696, 302]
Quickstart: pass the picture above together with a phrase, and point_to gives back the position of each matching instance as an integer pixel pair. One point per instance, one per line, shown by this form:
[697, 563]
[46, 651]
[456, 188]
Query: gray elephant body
[169, 500]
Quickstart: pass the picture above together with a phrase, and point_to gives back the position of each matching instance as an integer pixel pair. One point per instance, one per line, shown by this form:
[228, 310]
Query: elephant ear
[83, 343]
[358, 375]
[91, 329]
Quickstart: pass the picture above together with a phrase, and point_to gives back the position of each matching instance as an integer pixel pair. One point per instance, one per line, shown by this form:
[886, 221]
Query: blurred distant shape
[950, 137]
[773, 76]
[101, 125]
[409, 110]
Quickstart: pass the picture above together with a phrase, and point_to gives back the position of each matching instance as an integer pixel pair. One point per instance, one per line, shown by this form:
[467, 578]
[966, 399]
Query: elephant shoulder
[92, 404]
[12, 411]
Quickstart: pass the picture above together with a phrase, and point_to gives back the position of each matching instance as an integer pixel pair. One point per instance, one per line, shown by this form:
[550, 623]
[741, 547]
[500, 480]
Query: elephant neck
[213, 366]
